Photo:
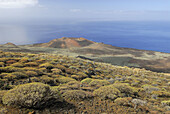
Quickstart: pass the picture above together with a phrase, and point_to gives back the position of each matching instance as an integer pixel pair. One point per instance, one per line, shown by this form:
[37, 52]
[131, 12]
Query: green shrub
[72, 85]
[98, 83]
[10, 77]
[64, 79]
[69, 71]
[125, 89]
[47, 80]
[2, 75]
[31, 73]
[123, 101]
[31, 55]
[19, 65]
[11, 61]
[3, 69]
[146, 80]
[74, 95]
[138, 102]
[33, 95]
[76, 77]
[149, 88]
[2, 64]
[31, 64]
[81, 75]
[56, 71]
[4, 110]
[38, 71]
[20, 75]
[43, 69]
[166, 103]
[40, 61]
[13, 69]
[86, 81]
[35, 79]
[161, 93]
[7, 86]
[24, 60]
[2, 93]
[61, 67]
[3, 59]
[46, 65]
[2, 82]
[107, 92]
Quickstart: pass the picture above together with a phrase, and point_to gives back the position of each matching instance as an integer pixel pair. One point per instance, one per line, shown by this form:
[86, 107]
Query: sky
[19, 11]
[15, 14]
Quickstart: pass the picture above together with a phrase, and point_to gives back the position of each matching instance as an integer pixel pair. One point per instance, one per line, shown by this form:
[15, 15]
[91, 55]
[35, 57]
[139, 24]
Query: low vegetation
[32, 95]
[49, 83]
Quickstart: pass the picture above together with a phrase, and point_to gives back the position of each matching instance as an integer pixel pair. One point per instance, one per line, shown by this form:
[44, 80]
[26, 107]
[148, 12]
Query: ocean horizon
[149, 35]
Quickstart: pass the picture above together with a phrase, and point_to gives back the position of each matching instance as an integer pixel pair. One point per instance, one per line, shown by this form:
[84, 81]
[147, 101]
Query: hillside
[84, 48]
[9, 45]
[156, 61]
[151, 60]
[53, 83]
[66, 43]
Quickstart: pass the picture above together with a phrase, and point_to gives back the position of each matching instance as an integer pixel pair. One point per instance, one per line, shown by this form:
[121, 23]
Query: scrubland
[52, 83]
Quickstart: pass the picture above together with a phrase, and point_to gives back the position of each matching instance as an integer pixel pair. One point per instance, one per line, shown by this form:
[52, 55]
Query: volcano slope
[84, 48]
[52, 83]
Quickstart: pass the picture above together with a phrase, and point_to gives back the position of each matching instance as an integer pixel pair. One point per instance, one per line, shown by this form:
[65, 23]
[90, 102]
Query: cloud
[17, 3]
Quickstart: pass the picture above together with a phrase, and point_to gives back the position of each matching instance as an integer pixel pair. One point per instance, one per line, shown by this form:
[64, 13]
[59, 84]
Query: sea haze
[140, 35]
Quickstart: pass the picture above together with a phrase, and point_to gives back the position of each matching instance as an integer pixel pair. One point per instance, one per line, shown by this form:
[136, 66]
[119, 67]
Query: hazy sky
[14, 14]
[83, 10]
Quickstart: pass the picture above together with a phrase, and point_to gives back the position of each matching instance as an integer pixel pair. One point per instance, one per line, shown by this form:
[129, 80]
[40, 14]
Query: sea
[145, 35]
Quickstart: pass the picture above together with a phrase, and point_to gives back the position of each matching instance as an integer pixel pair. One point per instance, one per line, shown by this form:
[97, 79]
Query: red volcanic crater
[66, 42]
